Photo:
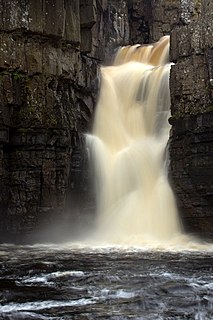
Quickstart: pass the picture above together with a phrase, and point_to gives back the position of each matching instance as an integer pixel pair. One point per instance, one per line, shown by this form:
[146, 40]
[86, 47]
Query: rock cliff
[50, 51]
[191, 146]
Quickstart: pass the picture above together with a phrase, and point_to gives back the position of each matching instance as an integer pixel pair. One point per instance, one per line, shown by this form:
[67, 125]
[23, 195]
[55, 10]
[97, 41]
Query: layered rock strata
[191, 146]
[49, 57]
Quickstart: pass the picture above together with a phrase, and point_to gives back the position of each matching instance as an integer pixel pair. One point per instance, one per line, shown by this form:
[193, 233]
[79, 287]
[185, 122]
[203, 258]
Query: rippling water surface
[56, 282]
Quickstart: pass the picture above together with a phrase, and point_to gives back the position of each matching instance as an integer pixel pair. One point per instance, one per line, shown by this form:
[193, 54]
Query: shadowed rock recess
[50, 52]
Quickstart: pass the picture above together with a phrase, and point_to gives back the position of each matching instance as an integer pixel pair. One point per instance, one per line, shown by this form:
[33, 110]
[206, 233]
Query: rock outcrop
[191, 145]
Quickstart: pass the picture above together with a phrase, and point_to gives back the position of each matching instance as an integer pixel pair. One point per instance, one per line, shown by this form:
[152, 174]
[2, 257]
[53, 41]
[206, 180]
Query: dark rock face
[43, 77]
[152, 19]
[191, 146]
[50, 52]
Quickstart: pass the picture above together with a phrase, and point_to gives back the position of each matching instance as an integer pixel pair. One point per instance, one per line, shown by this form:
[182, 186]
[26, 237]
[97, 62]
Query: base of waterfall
[99, 239]
[128, 148]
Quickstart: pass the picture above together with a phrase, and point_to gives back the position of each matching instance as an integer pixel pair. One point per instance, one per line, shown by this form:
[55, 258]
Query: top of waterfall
[154, 54]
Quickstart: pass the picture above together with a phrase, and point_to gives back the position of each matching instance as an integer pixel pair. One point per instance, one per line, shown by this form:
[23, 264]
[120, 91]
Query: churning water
[58, 283]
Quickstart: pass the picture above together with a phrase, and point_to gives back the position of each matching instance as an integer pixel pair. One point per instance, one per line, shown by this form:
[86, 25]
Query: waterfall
[128, 148]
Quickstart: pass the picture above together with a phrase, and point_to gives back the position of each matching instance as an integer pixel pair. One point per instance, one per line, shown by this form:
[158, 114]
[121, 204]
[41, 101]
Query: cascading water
[128, 143]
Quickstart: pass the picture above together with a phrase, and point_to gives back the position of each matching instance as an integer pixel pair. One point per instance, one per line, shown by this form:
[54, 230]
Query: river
[74, 282]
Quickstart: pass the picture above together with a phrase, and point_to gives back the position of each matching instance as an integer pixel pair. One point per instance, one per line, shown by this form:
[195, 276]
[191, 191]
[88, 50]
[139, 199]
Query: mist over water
[135, 203]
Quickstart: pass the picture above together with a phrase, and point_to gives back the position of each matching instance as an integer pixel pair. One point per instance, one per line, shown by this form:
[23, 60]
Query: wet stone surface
[49, 282]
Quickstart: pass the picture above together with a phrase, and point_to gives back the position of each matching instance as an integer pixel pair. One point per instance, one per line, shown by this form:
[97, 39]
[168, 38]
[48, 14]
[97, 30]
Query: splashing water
[135, 203]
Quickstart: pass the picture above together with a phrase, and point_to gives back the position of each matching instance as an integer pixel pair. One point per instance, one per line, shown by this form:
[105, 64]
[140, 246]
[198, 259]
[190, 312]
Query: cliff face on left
[49, 53]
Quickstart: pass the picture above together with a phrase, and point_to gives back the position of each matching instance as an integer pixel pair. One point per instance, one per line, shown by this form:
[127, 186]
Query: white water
[135, 203]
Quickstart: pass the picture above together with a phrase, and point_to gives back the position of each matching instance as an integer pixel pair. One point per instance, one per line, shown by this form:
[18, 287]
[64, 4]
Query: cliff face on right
[191, 142]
